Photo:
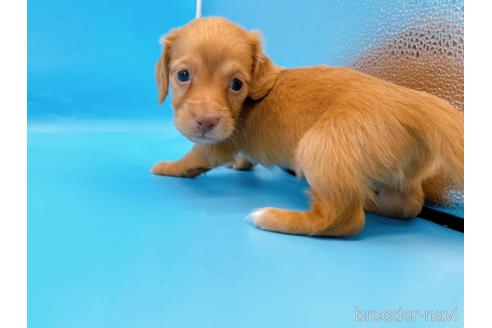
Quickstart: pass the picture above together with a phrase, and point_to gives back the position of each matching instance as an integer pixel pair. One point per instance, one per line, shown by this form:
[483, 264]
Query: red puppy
[362, 143]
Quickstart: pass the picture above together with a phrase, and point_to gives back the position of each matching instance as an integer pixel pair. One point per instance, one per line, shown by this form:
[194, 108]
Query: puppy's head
[212, 66]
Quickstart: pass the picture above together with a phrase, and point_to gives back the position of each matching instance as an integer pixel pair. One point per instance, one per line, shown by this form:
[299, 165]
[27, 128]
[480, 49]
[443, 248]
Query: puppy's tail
[446, 141]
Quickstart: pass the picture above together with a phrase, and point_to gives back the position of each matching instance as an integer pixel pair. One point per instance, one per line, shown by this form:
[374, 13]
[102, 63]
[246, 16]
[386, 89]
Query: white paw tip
[257, 215]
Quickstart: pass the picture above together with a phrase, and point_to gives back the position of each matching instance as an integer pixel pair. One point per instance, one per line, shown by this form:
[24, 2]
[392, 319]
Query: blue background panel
[95, 59]
[111, 245]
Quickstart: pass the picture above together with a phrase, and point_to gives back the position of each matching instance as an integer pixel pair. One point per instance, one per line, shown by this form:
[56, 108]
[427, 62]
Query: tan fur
[362, 143]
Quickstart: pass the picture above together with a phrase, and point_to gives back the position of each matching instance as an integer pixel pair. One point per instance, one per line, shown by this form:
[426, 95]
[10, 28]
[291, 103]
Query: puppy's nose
[206, 123]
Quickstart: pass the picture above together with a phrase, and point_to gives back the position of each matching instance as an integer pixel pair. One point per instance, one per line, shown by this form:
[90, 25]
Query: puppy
[360, 142]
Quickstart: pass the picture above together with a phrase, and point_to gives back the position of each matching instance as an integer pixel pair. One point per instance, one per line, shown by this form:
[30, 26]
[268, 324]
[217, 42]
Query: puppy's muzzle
[206, 123]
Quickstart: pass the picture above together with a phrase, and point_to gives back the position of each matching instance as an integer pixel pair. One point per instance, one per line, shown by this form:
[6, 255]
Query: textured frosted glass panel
[425, 54]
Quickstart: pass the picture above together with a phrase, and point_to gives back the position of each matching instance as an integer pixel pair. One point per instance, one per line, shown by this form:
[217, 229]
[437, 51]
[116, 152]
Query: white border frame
[13, 172]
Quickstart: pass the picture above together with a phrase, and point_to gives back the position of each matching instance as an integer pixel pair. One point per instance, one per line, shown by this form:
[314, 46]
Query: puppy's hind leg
[402, 204]
[338, 192]
[325, 218]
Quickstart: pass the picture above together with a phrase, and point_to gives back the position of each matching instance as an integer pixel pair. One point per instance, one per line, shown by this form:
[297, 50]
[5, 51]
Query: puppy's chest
[270, 130]
[262, 143]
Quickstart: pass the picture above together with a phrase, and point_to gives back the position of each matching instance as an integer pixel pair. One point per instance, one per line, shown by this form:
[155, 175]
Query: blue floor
[111, 245]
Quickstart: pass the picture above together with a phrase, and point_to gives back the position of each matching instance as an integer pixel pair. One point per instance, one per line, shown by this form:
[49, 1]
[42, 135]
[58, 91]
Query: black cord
[445, 219]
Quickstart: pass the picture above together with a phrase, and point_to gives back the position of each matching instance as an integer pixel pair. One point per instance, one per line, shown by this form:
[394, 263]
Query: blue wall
[95, 59]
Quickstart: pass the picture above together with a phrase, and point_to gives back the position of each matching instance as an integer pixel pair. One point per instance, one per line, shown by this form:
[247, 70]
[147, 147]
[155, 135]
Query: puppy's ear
[265, 73]
[162, 65]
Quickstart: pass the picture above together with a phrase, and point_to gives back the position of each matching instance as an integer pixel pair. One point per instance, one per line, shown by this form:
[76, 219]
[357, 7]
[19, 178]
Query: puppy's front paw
[175, 169]
[243, 165]
[165, 168]
[240, 163]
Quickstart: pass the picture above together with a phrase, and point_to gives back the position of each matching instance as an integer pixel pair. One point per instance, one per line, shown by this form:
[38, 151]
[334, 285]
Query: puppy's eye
[184, 75]
[236, 84]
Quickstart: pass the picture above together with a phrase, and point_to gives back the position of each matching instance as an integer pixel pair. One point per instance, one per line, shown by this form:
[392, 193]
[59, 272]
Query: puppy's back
[395, 125]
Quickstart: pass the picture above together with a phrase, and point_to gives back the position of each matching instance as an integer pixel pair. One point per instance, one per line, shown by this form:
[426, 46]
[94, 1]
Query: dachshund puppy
[360, 142]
